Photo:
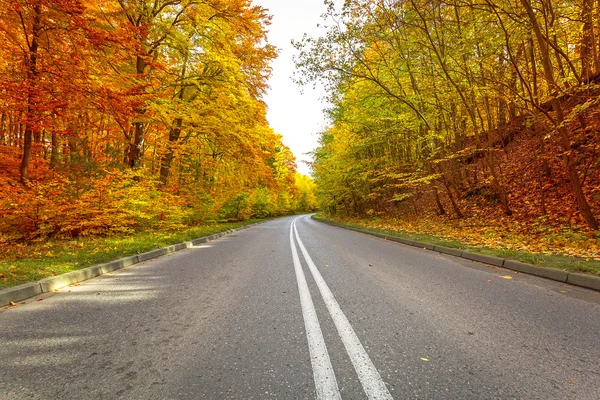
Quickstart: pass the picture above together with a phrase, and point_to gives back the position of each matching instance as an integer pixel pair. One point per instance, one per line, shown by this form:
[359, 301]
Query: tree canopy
[120, 114]
[459, 107]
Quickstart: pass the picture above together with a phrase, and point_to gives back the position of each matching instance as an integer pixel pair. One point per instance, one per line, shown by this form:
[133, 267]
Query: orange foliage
[120, 116]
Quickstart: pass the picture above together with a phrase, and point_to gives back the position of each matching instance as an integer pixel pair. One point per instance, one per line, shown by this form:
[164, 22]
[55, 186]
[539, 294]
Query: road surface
[295, 309]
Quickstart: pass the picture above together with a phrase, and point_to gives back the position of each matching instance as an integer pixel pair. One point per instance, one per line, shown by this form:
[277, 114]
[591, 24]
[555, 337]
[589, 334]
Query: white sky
[297, 117]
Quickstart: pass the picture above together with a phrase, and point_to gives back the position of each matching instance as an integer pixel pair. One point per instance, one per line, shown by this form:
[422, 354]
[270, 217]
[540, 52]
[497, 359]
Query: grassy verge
[557, 261]
[30, 262]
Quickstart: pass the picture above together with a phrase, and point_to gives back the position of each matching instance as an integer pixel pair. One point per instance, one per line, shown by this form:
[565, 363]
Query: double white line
[325, 382]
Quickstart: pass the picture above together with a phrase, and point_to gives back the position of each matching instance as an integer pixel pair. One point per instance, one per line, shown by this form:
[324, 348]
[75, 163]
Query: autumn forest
[473, 120]
[126, 115]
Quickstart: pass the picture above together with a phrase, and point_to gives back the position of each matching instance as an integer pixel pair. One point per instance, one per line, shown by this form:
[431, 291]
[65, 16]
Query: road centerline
[323, 374]
[368, 375]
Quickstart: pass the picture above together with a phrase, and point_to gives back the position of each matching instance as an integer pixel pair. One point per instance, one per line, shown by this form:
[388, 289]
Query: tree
[427, 95]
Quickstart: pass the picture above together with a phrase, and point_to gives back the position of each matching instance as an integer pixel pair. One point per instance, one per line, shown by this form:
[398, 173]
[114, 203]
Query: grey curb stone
[28, 290]
[118, 264]
[127, 261]
[588, 281]
[423, 245]
[179, 246]
[152, 254]
[198, 241]
[400, 240]
[483, 258]
[554, 274]
[60, 281]
[448, 250]
[110, 267]
[19, 293]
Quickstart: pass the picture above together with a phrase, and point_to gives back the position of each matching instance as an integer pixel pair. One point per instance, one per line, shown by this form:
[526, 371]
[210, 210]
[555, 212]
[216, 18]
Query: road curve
[296, 309]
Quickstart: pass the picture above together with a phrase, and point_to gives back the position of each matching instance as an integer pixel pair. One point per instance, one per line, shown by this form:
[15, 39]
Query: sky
[297, 116]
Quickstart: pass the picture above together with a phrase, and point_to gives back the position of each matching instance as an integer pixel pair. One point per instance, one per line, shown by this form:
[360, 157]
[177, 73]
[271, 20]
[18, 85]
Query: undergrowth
[560, 249]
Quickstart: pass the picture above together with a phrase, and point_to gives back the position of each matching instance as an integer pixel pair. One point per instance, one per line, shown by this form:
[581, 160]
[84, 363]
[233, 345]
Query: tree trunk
[459, 214]
[26, 157]
[468, 102]
[167, 159]
[576, 187]
[3, 131]
[55, 150]
[588, 42]
[597, 46]
[74, 158]
[136, 148]
[534, 73]
[32, 74]
[441, 210]
[174, 132]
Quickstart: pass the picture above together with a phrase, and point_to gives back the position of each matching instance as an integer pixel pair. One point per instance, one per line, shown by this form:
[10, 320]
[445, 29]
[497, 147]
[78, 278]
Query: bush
[116, 202]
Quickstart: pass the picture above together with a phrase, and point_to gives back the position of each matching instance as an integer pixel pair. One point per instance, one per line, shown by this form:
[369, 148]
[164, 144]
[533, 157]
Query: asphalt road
[260, 314]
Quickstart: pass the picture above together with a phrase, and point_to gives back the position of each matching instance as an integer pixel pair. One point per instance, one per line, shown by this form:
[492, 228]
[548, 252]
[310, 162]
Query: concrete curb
[20, 292]
[573, 278]
[591, 282]
[27, 290]
[554, 274]
[448, 250]
[423, 245]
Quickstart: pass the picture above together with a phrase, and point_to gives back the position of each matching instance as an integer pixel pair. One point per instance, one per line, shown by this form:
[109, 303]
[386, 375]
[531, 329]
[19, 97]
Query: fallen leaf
[12, 303]
[563, 291]
[424, 359]
[489, 280]
[506, 277]
[182, 269]
[99, 292]
[549, 294]
[571, 381]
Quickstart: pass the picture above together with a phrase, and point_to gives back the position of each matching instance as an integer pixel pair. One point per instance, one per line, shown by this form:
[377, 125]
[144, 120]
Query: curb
[27, 290]
[573, 278]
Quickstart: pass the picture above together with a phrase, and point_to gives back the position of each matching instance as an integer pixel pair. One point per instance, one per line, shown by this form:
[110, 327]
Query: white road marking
[367, 373]
[325, 382]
